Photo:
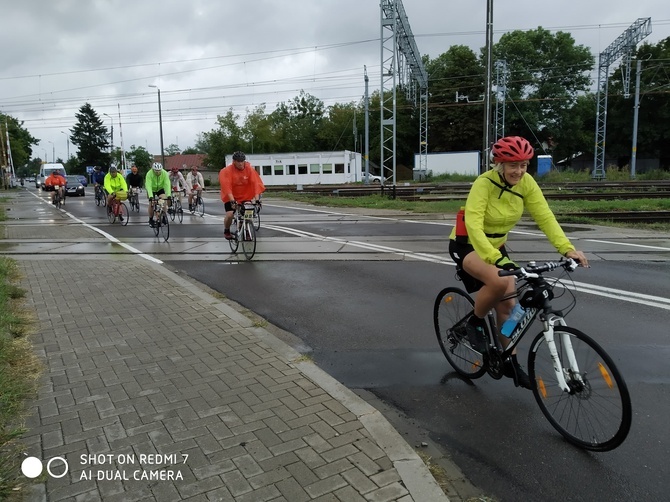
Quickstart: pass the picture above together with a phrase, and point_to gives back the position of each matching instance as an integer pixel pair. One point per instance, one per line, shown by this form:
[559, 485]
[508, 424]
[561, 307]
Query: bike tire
[165, 227]
[597, 414]
[123, 211]
[248, 240]
[235, 241]
[97, 200]
[180, 212]
[452, 308]
[111, 217]
[257, 220]
[157, 222]
[200, 207]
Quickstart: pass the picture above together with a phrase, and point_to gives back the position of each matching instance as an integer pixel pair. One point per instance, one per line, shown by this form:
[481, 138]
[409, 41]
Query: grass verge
[19, 373]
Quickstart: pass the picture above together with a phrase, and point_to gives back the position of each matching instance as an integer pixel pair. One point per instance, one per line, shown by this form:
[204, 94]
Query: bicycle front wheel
[200, 207]
[110, 214]
[123, 214]
[248, 238]
[257, 219]
[97, 199]
[596, 413]
[452, 308]
[180, 212]
[236, 237]
[165, 227]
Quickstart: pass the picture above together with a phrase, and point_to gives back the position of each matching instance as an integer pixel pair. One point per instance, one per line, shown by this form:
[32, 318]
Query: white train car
[306, 168]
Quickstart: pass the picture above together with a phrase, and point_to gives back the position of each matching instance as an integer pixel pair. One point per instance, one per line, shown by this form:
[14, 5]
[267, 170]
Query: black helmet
[239, 156]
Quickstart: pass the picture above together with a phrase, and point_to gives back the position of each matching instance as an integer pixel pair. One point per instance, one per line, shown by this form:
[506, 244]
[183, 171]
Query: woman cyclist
[494, 206]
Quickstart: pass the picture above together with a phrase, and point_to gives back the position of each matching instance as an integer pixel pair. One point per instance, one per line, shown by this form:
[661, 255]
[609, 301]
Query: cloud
[209, 56]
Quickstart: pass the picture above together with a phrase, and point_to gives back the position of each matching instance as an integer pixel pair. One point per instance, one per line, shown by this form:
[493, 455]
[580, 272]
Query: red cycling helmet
[512, 149]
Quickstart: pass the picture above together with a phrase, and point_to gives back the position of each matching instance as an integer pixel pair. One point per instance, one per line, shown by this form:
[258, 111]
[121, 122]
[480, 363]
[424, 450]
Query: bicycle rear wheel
[165, 227]
[451, 310]
[596, 414]
[248, 238]
[123, 213]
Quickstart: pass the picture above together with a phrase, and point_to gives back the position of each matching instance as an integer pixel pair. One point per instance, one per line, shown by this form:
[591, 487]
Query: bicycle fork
[548, 332]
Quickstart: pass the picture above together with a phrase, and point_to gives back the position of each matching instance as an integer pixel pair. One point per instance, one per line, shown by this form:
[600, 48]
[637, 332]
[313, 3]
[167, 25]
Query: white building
[308, 168]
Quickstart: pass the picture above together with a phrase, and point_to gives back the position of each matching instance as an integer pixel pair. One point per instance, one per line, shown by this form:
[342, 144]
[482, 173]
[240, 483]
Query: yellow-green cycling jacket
[116, 184]
[493, 208]
[153, 183]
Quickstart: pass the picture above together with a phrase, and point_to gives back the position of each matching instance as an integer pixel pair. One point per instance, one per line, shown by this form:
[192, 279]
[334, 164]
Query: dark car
[74, 186]
[83, 179]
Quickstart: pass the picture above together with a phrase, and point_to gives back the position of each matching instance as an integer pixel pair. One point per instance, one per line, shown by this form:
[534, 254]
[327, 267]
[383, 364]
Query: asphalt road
[357, 294]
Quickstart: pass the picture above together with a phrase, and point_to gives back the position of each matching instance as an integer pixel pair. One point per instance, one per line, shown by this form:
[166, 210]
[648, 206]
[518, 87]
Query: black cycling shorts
[458, 251]
[159, 192]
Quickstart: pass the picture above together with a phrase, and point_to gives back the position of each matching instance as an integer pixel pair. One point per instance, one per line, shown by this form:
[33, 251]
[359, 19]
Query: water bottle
[514, 318]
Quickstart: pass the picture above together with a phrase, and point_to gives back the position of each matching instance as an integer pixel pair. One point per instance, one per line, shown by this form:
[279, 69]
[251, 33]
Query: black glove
[506, 264]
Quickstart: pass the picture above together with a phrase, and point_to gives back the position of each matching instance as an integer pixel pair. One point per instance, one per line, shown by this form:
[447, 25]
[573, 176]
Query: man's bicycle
[118, 209]
[176, 209]
[134, 198]
[161, 221]
[58, 198]
[242, 229]
[575, 383]
[100, 197]
[198, 205]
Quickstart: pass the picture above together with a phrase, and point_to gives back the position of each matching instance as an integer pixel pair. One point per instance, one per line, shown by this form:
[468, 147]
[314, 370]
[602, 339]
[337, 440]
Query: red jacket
[55, 179]
[243, 184]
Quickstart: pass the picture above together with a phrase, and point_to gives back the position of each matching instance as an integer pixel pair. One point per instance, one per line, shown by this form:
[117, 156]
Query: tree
[455, 124]
[226, 139]
[90, 135]
[257, 131]
[171, 150]
[337, 128]
[139, 156]
[653, 135]
[547, 74]
[20, 140]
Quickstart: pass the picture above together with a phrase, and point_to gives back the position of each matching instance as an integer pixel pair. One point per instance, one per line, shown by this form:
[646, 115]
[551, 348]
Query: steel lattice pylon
[401, 64]
[502, 76]
[623, 46]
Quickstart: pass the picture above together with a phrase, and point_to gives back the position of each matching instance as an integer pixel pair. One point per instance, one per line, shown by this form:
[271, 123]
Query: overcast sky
[207, 56]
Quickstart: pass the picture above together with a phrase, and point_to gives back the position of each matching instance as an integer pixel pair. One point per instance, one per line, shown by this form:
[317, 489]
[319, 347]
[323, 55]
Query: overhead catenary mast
[123, 152]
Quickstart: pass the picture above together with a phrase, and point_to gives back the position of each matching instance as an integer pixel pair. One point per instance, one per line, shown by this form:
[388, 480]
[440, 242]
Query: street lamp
[53, 151]
[112, 139]
[68, 144]
[160, 122]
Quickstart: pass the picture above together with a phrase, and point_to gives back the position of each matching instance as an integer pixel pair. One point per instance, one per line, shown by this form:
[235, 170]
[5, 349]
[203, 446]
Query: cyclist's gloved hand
[506, 264]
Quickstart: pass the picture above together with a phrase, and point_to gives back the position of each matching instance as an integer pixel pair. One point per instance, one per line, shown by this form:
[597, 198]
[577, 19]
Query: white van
[45, 171]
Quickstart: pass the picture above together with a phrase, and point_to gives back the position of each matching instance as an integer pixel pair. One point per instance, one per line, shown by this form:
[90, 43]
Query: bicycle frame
[549, 319]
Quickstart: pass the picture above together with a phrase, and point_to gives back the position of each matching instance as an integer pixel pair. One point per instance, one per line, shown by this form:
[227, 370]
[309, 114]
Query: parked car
[83, 179]
[373, 178]
[74, 186]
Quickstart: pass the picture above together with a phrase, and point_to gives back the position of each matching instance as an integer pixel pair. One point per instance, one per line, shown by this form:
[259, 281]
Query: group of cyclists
[157, 182]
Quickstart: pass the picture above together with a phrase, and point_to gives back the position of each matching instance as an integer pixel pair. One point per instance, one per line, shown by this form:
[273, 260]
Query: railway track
[622, 216]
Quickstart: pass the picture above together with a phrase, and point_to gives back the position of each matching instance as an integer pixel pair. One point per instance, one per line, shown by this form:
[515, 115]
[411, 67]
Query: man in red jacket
[239, 183]
[55, 179]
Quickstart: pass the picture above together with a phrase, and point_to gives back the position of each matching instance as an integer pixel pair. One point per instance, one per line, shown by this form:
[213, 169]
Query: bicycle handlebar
[533, 271]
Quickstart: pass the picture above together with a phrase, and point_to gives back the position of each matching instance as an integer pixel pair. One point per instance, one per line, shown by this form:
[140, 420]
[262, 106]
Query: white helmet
[157, 166]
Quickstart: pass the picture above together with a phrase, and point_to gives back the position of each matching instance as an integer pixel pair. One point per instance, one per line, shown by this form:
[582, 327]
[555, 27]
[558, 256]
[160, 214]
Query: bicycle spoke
[452, 307]
[596, 413]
